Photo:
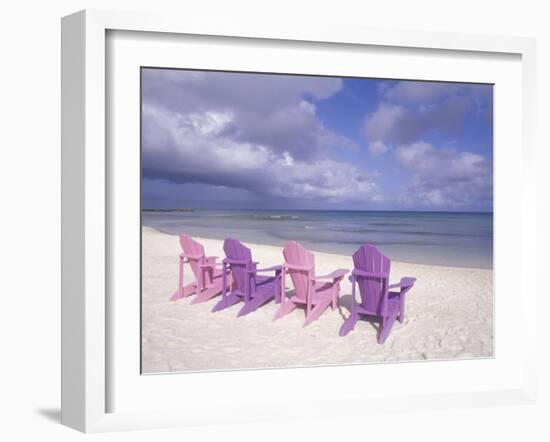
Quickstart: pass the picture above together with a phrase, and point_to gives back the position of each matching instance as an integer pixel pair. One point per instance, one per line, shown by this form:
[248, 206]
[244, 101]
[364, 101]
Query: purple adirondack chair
[208, 274]
[378, 301]
[316, 293]
[255, 290]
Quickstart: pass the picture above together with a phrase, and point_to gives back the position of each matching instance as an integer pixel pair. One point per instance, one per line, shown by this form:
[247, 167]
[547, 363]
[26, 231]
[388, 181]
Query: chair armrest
[334, 275]
[210, 262]
[270, 269]
[358, 272]
[237, 261]
[186, 255]
[207, 265]
[286, 265]
[406, 281]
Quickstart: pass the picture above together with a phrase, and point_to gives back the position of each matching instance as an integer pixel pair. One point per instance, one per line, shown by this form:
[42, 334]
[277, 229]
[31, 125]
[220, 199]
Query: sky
[224, 140]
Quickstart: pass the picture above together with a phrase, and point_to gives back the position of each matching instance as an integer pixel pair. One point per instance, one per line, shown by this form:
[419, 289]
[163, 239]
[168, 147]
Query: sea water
[441, 238]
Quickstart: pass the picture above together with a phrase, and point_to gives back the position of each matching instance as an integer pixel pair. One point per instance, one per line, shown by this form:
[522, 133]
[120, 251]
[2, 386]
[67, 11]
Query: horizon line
[191, 209]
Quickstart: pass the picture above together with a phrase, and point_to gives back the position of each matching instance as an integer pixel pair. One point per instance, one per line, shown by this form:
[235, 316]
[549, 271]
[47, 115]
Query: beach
[449, 315]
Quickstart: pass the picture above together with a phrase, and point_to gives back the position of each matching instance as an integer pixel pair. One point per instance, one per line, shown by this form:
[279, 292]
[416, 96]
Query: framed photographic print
[258, 216]
[324, 177]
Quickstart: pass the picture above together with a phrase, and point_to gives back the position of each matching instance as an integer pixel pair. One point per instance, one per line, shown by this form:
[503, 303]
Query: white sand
[449, 314]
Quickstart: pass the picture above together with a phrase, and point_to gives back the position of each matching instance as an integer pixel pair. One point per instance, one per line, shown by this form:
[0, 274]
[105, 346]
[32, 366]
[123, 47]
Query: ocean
[441, 238]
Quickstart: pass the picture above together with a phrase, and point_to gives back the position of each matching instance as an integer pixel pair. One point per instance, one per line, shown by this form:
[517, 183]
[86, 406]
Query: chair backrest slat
[237, 251]
[373, 289]
[192, 247]
[297, 255]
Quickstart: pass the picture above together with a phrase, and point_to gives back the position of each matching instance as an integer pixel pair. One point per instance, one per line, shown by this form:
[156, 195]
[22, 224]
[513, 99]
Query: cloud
[184, 91]
[439, 178]
[377, 148]
[203, 148]
[160, 193]
[268, 110]
[382, 122]
[416, 92]
[412, 110]
[237, 138]
[445, 177]
[397, 124]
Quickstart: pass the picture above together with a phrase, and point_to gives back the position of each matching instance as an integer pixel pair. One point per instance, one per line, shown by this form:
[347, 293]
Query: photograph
[300, 220]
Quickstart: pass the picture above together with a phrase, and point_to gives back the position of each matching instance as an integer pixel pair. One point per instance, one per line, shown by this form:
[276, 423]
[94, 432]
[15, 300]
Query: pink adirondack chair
[248, 286]
[316, 293]
[378, 301]
[208, 274]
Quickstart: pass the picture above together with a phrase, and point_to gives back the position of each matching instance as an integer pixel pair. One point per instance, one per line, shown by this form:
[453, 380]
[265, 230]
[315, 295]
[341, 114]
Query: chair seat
[394, 301]
[322, 293]
[393, 305]
[324, 287]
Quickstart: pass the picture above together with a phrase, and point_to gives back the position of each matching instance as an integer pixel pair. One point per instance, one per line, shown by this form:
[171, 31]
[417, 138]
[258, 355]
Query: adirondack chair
[208, 274]
[378, 300]
[316, 293]
[255, 290]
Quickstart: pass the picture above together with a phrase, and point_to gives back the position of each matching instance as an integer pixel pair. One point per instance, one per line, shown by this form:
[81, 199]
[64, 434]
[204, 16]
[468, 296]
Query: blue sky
[240, 140]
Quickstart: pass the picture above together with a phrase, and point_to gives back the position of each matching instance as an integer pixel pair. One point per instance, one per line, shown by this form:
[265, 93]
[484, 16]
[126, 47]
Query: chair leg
[278, 289]
[184, 292]
[285, 308]
[226, 302]
[349, 324]
[180, 279]
[179, 292]
[254, 303]
[281, 289]
[385, 327]
[402, 309]
[335, 295]
[316, 312]
[206, 294]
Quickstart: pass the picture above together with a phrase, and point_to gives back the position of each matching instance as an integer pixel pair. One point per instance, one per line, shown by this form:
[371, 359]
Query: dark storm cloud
[410, 111]
[265, 109]
[250, 132]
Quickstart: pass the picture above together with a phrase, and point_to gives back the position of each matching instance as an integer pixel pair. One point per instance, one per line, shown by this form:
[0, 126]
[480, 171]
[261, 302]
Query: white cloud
[377, 148]
[208, 123]
[269, 110]
[255, 132]
[380, 123]
[198, 149]
[444, 177]
[191, 91]
[426, 159]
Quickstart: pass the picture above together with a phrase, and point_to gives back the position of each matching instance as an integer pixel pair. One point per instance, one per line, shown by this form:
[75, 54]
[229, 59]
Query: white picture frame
[86, 205]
